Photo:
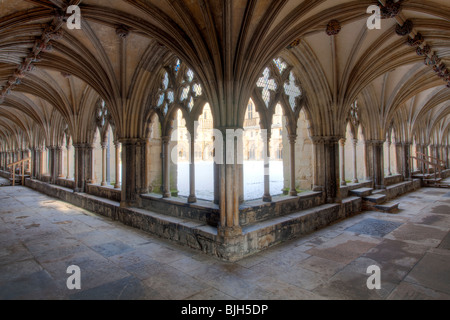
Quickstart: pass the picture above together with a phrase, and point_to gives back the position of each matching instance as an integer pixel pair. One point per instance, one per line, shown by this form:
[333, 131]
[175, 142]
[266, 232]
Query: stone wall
[257, 211]
[394, 179]
[105, 192]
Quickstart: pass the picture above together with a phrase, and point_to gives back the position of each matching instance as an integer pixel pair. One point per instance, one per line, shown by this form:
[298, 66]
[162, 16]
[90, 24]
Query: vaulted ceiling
[51, 77]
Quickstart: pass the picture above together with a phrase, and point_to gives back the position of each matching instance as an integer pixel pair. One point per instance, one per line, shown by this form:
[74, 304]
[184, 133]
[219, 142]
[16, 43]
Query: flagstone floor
[41, 237]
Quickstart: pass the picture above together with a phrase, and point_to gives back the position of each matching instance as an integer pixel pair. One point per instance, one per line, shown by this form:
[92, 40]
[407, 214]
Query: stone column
[229, 187]
[117, 149]
[292, 141]
[53, 164]
[368, 160]
[399, 157]
[342, 161]
[132, 158]
[192, 196]
[419, 149]
[318, 155]
[68, 162]
[41, 163]
[267, 197]
[389, 144]
[59, 162]
[83, 166]
[104, 149]
[378, 164]
[406, 161]
[448, 157]
[333, 194]
[166, 167]
[33, 163]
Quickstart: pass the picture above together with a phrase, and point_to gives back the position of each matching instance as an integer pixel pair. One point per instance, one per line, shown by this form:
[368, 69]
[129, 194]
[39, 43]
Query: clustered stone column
[192, 196]
[267, 197]
[55, 163]
[104, 149]
[292, 140]
[355, 161]
[230, 187]
[68, 162]
[407, 160]
[389, 144]
[398, 156]
[448, 157]
[342, 161]
[326, 171]
[83, 166]
[133, 160]
[166, 167]
[378, 164]
[117, 156]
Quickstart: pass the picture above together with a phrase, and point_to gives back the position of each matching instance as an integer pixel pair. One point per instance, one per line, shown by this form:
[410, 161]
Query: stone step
[376, 198]
[437, 180]
[362, 192]
[388, 207]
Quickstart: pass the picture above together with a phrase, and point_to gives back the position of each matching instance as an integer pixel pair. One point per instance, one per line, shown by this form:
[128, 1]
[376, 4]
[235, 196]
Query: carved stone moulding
[294, 44]
[405, 29]
[122, 31]
[433, 60]
[426, 50]
[390, 10]
[417, 41]
[333, 28]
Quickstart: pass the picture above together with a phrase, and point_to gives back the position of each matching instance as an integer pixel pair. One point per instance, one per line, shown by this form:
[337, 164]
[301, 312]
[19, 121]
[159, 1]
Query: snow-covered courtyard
[253, 179]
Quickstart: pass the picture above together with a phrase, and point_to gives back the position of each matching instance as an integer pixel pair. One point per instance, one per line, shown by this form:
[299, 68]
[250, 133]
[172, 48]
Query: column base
[117, 186]
[317, 188]
[355, 181]
[104, 184]
[167, 195]
[267, 198]
[293, 193]
[380, 187]
[192, 199]
[343, 184]
[229, 232]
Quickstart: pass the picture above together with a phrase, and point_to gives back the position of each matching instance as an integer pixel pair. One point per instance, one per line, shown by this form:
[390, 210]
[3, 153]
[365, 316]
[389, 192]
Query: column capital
[166, 139]
[131, 141]
[292, 138]
[326, 139]
[342, 142]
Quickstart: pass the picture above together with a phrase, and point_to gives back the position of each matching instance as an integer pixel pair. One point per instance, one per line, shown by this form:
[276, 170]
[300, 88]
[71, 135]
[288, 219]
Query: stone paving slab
[40, 237]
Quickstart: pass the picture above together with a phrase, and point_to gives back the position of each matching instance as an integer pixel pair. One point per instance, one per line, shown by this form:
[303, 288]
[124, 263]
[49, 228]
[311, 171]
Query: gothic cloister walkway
[41, 237]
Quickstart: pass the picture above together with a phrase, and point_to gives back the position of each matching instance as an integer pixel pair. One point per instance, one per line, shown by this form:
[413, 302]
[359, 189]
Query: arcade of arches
[135, 108]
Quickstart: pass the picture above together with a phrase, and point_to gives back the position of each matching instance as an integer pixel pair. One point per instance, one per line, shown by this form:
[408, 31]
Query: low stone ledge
[257, 210]
[203, 211]
[107, 192]
[394, 179]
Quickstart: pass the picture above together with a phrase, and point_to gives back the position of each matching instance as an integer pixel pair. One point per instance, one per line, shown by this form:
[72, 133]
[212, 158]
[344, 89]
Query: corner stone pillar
[229, 186]
[398, 157]
[326, 167]
[406, 159]
[83, 166]
[378, 164]
[342, 162]
[55, 163]
[33, 163]
[133, 159]
[166, 167]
